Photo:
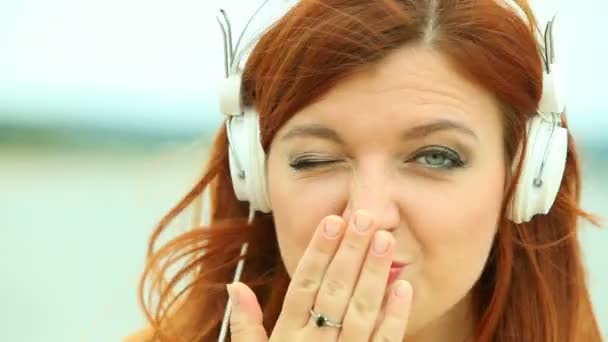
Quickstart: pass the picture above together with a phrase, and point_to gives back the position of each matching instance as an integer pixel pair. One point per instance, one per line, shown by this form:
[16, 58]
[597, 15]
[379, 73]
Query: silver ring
[322, 321]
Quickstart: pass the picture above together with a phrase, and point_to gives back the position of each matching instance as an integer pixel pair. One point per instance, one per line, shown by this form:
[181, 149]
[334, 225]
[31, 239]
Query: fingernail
[380, 243]
[362, 222]
[234, 300]
[401, 289]
[332, 227]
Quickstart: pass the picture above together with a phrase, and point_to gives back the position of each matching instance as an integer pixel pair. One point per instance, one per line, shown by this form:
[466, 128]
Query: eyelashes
[305, 163]
[439, 158]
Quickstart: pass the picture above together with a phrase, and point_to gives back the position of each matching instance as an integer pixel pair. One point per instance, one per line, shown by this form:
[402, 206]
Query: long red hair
[533, 287]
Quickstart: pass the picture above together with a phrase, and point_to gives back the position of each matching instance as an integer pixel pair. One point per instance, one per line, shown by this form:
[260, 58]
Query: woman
[411, 180]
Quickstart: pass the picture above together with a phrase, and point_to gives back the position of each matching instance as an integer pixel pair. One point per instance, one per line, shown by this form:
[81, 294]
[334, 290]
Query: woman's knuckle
[352, 245]
[307, 284]
[376, 268]
[238, 328]
[362, 307]
[334, 288]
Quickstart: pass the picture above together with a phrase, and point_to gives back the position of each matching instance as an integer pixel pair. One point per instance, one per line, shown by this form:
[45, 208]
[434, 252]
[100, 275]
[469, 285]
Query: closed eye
[310, 163]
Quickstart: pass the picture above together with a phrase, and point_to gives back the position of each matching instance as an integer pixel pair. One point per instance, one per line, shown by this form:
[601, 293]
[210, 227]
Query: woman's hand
[342, 275]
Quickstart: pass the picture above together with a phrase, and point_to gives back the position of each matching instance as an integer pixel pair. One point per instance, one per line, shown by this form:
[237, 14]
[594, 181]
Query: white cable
[237, 277]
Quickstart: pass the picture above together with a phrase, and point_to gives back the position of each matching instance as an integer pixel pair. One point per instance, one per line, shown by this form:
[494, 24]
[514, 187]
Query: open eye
[439, 157]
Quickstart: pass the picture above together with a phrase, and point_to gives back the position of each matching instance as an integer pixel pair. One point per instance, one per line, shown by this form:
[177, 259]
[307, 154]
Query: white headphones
[543, 164]
[544, 160]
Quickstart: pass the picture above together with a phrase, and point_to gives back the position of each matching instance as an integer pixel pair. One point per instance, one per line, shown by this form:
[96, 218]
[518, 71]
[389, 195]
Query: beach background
[107, 110]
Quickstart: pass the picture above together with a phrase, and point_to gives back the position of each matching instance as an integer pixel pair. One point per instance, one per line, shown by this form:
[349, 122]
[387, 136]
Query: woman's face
[420, 147]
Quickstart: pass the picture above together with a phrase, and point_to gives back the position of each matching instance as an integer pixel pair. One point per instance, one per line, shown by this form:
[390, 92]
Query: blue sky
[156, 64]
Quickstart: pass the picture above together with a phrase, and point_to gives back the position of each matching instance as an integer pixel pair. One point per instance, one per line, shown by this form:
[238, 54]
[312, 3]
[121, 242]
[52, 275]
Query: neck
[456, 325]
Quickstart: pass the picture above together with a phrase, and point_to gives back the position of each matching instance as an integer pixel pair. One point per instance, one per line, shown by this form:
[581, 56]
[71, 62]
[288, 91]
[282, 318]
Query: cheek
[455, 229]
[456, 243]
[460, 217]
[298, 208]
[457, 218]
[459, 224]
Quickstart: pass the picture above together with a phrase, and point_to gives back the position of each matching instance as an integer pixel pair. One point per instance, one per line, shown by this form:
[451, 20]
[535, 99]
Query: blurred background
[107, 109]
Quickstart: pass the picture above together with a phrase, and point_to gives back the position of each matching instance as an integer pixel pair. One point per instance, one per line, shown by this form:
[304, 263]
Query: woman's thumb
[246, 317]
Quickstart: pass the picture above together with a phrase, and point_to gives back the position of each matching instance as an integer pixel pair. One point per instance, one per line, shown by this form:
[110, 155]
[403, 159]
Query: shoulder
[144, 335]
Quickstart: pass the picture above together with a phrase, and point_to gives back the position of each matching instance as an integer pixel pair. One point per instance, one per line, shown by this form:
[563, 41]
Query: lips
[396, 263]
[396, 269]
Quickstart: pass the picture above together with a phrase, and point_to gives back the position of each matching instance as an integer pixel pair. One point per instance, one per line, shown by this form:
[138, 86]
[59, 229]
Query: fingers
[397, 310]
[343, 272]
[309, 273]
[343, 275]
[246, 316]
[366, 302]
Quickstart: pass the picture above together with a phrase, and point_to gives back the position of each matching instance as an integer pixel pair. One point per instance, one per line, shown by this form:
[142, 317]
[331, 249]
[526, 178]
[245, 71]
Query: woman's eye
[305, 164]
[439, 158]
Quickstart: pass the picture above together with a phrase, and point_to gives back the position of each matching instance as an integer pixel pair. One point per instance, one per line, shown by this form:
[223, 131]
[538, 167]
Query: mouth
[396, 269]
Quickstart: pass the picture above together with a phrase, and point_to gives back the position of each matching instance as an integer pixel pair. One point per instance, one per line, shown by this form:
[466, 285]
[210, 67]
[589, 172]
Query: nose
[373, 193]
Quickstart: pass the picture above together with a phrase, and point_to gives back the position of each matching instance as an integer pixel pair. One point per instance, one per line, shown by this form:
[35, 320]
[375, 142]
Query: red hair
[533, 287]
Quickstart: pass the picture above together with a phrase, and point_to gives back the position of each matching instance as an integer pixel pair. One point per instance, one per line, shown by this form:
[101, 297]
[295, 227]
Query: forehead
[410, 87]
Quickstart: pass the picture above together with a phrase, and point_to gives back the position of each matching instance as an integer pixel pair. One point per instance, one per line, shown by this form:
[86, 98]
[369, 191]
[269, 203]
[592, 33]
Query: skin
[375, 153]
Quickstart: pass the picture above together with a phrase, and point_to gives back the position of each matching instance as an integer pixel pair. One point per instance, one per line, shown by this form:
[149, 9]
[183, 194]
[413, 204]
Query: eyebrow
[314, 130]
[412, 133]
[423, 130]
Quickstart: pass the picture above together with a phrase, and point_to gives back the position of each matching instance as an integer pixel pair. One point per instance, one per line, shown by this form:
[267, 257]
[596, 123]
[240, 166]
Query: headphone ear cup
[238, 172]
[257, 184]
[248, 161]
[545, 157]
